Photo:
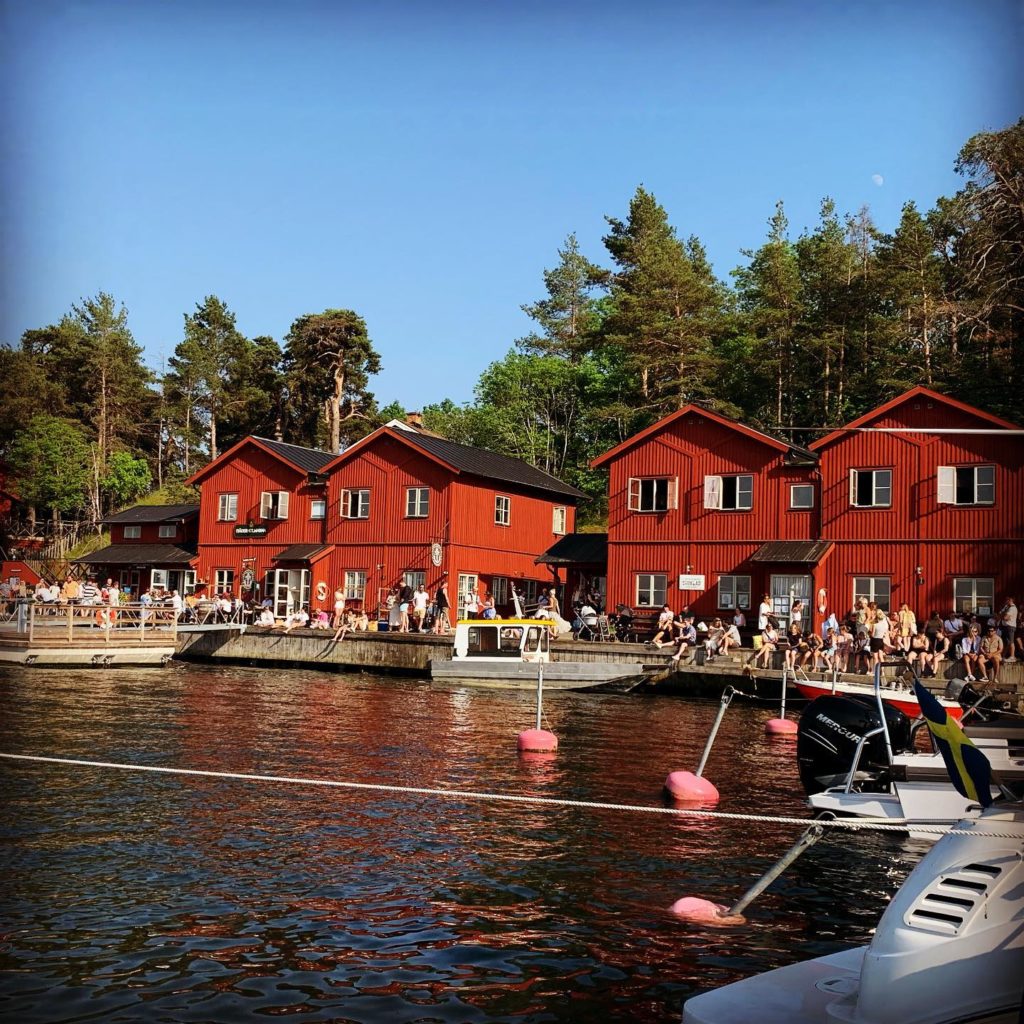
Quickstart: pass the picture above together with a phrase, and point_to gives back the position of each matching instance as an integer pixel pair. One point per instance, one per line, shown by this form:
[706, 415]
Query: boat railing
[34, 622]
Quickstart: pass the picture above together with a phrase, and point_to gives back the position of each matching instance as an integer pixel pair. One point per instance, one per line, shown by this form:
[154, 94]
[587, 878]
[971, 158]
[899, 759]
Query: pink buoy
[691, 788]
[780, 727]
[692, 908]
[538, 741]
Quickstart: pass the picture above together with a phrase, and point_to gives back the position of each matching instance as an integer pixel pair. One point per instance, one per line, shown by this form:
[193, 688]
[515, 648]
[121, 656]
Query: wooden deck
[87, 635]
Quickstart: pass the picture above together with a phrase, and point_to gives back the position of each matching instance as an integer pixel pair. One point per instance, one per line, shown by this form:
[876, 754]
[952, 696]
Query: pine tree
[665, 305]
[328, 362]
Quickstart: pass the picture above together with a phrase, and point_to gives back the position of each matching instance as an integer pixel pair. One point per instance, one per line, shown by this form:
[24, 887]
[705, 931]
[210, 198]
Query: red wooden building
[920, 500]
[923, 502]
[263, 511]
[409, 506]
[150, 546]
[693, 502]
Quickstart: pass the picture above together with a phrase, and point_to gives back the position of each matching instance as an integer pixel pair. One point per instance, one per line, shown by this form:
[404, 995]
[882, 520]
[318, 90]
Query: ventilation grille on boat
[945, 906]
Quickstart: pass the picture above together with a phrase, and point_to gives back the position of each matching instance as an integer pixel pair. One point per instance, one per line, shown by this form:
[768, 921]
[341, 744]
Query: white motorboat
[949, 948]
[857, 758]
[509, 654]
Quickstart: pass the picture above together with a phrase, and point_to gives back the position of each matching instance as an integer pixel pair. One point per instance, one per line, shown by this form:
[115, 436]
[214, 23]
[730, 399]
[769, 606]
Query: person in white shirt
[297, 620]
[420, 600]
[1008, 627]
[763, 611]
[176, 603]
[267, 618]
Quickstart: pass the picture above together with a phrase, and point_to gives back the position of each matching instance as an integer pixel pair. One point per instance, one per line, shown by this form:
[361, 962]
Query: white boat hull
[522, 675]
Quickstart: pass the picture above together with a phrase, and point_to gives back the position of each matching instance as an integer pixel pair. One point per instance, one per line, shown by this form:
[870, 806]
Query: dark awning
[576, 549]
[302, 553]
[138, 554]
[809, 552]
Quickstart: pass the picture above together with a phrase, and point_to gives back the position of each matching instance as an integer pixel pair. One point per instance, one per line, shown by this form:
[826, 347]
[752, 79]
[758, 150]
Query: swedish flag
[968, 767]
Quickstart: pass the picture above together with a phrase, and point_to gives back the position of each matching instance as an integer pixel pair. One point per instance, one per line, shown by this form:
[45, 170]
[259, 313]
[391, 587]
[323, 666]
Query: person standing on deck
[763, 612]
[442, 624]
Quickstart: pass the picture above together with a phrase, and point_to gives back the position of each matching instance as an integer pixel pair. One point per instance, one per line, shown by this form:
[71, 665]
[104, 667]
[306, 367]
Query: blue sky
[421, 163]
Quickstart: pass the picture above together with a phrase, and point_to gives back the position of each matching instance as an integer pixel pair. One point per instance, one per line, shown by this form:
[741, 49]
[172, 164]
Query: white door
[787, 589]
[467, 584]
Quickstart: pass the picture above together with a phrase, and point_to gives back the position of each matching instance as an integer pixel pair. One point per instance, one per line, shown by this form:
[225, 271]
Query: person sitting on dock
[792, 644]
[828, 650]
[322, 620]
[918, 653]
[769, 643]
[297, 620]
[991, 654]
[940, 651]
[666, 627]
[266, 619]
[687, 640]
[715, 641]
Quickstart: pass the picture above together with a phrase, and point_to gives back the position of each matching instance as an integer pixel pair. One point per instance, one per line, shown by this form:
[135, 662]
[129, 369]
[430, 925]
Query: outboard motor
[829, 731]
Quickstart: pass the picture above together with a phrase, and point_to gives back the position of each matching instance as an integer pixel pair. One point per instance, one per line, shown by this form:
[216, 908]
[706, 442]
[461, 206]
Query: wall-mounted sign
[436, 553]
[250, 530]
[692, 583]
[248, 579]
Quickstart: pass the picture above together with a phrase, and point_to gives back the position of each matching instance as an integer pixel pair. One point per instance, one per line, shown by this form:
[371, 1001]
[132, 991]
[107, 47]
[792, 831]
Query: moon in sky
[878, 180]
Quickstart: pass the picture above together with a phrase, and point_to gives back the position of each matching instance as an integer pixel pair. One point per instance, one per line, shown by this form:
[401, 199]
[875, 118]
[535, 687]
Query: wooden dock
[33, 634]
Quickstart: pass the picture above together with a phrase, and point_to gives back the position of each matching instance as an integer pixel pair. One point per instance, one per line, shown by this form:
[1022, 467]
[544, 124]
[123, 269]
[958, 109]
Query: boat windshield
[500, 641]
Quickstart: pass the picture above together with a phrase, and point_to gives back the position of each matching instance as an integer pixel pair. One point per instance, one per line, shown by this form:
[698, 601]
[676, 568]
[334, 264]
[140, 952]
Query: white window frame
[731, 590]
[868, 588]
[168, 530]
[355, 503]
[355, 585]
[133, 532]
[468, 581]
[158, 579]
[415, 578]
[876, 488]
[644, 494]
[274, 505]
[986, 592]
[742, 497]
[417, 502]
[318, 508]
[649, 592]
[227, 507]
[794, 504]
[499, 590]
[559, 518]
[223, 581]
[502, 510]
[983, 491]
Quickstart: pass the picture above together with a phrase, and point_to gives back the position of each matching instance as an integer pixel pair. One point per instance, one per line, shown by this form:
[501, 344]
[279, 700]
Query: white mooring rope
[847, 824]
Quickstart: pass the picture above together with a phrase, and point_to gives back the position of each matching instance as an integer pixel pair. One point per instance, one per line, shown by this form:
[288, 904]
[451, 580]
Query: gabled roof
[916, 392]
[303, 460]
[153, 514]
[463, 458]
[689, 410]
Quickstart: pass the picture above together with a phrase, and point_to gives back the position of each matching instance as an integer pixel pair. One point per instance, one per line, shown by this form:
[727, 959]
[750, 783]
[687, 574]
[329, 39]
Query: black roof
[491, 465]
[153, 514]
[309, 460]
[138, 554]
[300, 552]
[576, 549]
[803, 551]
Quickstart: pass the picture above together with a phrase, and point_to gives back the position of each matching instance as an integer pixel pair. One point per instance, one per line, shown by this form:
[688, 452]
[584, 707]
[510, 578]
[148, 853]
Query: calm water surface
[149, 897]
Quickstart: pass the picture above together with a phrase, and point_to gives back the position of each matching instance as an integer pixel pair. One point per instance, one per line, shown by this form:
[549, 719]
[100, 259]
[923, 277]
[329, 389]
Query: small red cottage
[262, 521]
[706, 512]
[408, 506]
[150, 546]
[923, 502]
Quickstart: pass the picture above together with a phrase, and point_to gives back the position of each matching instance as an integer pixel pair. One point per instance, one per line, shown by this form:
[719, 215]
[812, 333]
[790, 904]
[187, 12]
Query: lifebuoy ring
[321, 591]
[822, 601]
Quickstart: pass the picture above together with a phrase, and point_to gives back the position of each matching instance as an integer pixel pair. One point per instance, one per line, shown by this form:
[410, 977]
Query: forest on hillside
[808, 333]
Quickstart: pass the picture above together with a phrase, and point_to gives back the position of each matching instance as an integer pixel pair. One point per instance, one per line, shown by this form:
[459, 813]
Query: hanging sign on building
[692, 583]
[248, 579]
[250, 530]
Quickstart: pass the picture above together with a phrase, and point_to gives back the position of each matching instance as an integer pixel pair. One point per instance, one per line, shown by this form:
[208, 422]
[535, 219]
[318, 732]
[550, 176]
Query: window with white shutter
[734, 492]
[274, 505]
[355, 504]
[712, 492]
[967, 485]
[653, 494]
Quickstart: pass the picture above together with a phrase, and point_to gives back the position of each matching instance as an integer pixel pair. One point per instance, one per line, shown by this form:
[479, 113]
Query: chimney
[414, 419]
